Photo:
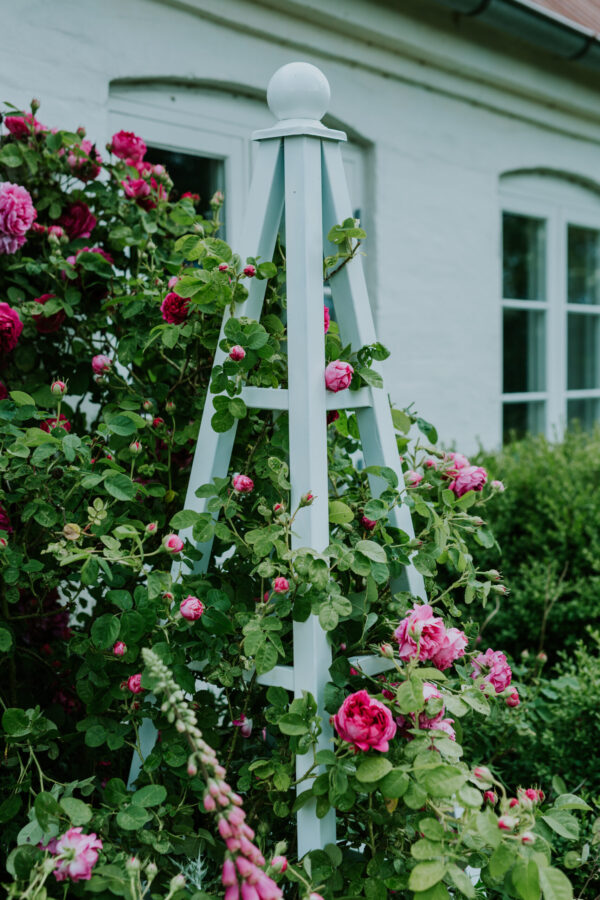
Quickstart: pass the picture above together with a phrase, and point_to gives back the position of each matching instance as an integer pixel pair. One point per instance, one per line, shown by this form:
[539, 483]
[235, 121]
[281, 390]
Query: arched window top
[553, 186]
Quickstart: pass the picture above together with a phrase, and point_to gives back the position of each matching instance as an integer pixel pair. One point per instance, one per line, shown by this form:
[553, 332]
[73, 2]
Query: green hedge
[547, 523]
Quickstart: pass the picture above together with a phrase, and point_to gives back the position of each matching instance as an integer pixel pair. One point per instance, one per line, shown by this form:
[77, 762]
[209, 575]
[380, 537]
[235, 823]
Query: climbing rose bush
[142, 757]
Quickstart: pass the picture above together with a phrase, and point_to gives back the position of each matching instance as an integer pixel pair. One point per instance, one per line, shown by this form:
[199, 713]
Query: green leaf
[370, 376]
[265, 658]
[432, 829]
[340, 513]
[425, 875]
[292, 724]
[21, 398]
[46, 809]
[9, 808]
[328, 617]
[121, 487]
[372, 551]
[394, 784]
[150, 795]
[526, 879]
[442, 781]
[15, 722]
[376, 509]
[105, 631]
[10, 156]
[5, 640]
[570, 801]
[79, 813]
[185, 518]
[373, 768]
[222, 421]
[555, 885]
[266, 270]
[409, 696]
[133, 818]
[501, 861]
[462, 881]
[237, 408]
[563, 823]
[426, 849]
[95, 736]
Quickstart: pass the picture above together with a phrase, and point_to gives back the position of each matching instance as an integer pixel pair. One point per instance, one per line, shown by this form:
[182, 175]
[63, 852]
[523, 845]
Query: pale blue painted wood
[277, 398]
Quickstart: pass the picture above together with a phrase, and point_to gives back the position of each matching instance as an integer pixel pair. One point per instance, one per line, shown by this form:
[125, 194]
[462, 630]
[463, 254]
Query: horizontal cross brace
[277, 398]
[283, 676]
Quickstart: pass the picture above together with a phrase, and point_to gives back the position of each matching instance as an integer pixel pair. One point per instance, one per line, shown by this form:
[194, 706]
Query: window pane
[201, 175]
[523, 258]
[583, 265]
[524, 350]
[584, 412]
[583, 358]
[520, 419]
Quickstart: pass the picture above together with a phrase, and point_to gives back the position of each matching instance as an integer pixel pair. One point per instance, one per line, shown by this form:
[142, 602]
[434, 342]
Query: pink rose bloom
[368, 524]
[365, 723]
[513, 700]
[451, 647]
[444, 725]
[431, 462]
[458, 462]
[236, 353]
[17, 212]
[84, 164]
[136, 188]
[470, 478]
[10, 328]
[191, 608]
[5, 521]
[245, 726]
[3, 391]
[281, 585]
[242, 484]
[22, 126]
[101, 364]
[134, 683]
[48, 324]
[423, 627]
[173, 543]
[412, 478]
[174, 309]
[494, 667]
[127, 145]
[498, 486]
[77, 220]
[119, 649]
[48, 424]
[10, 244]
[76, 854]
[326, 319]
[338, 375]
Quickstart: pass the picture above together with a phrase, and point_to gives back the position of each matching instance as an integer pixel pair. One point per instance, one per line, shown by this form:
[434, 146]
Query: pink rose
[101, 364]
[244, 724]
[250, 271]
[507, 823]
[17, 213]
[326, 319]
[119, 649]
[412, 478]
[365, 723]
[127, 145]
[9, 245]
[49, 424]
[76, 855]
[420, 632]
[469, 478]
[279, 863]
[458, 462]
[10, 328]
[77, 220]
[451, 647]
[5, 521]
[174, 308]
[134, 683]
[338, 375]
[242, 484]
[136, 188]
[83, 161]
[495, 669]
[48, 324]
[236, 353]
[23, 126]
[513, 700]
[498, 486]
[281, 585]
[368, 524]
[173, 543]
[191, 608]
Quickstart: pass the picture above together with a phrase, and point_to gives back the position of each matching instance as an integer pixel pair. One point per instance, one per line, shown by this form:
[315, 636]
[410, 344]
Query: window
[550, 306]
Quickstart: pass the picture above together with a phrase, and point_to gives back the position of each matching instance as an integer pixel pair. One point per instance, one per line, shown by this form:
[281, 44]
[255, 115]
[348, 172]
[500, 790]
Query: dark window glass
[583, 277]
[201, 175]
[584, 412]
[523, 350]
[520, 419]
[523, 258]
[583, 351]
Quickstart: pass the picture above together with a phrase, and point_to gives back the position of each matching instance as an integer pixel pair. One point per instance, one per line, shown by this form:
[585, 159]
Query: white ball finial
[298, 91]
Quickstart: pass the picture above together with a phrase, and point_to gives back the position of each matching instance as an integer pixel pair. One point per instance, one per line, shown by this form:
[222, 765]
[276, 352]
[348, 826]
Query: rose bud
[177, 883]
[223, 267]
[279, 864]
[151, 871]
[513, 802]
[387, 650]
[482, 773]
[134, 683]
[3, 543]
[527, 837]
[542, 657]
[507, 823]
[368, 524]
[119, 649]
[490, 797]
[132, 865]
[242, 484]
[101, 364]
[513, 700]
[191, 608]
[135, 447]
[281, 585]
[173, 543]
[278, 508]
[250, 271]
[492, 575]
[148, 405]
[498, 486]
[157, 422]
[170, 406]
[151, 527]
[168, 596]
[58, 388]
[338, 375]
[306, 499]
[237, 353]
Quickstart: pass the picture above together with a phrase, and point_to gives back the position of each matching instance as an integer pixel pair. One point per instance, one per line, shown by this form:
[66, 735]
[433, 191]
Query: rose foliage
[112, 292]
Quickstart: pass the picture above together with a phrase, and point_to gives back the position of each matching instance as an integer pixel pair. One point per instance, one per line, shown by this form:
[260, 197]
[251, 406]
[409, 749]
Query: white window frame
[558, 212]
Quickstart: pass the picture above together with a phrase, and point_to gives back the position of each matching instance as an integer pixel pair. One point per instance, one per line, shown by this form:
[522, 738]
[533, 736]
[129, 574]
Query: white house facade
[473, 161]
